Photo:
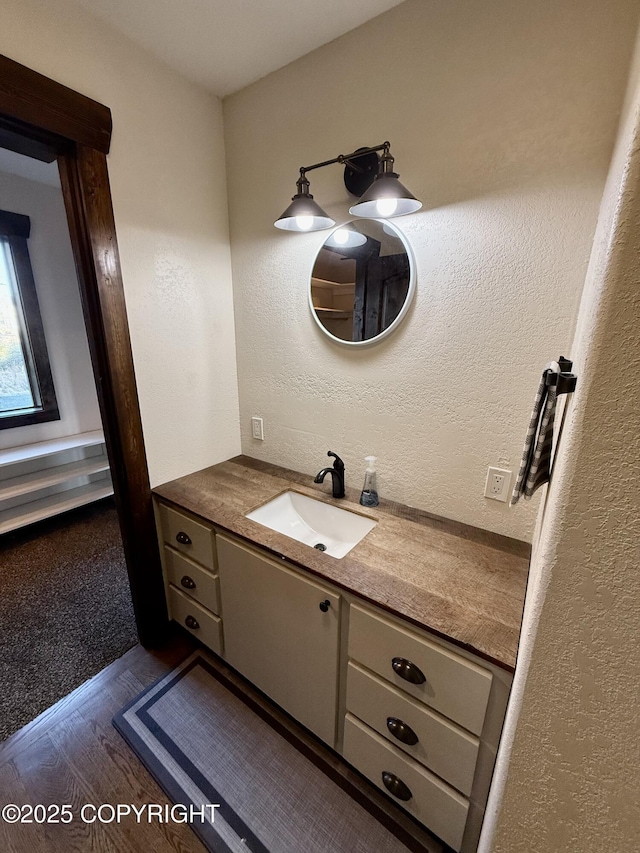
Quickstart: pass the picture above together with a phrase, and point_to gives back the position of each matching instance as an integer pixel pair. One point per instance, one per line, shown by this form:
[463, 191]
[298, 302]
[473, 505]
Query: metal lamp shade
[304, 214]
[377, 202]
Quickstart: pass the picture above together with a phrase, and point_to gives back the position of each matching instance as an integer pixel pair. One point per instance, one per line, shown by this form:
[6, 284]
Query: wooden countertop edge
[282, 547]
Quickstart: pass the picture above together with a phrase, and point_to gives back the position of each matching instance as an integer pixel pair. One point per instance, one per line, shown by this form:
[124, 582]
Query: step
[38, 510]
[38, 480]
[47, 448]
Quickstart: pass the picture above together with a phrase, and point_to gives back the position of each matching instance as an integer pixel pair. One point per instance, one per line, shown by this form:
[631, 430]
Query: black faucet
[337, 475]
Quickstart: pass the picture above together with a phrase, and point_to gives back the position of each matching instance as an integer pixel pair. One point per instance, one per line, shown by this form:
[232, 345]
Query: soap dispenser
[369, 494]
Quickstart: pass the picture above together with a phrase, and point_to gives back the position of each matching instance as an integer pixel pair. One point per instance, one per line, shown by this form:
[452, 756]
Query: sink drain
[320, 547]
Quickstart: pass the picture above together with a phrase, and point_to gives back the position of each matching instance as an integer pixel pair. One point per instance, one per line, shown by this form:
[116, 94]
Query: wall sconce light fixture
[367, 175]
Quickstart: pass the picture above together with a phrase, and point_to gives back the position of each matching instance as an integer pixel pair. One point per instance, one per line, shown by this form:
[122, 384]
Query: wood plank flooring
[72, 754]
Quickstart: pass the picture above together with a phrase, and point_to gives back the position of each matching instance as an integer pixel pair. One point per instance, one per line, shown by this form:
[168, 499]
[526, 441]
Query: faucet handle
[338, 464]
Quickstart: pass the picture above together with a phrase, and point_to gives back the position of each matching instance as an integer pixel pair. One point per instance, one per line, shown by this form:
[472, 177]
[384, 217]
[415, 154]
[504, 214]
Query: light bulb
[341, 236]
[304, 222]
[386, 206]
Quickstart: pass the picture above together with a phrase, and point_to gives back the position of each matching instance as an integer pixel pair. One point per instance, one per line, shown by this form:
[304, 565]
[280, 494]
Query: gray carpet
[65, 609]
[206, 748]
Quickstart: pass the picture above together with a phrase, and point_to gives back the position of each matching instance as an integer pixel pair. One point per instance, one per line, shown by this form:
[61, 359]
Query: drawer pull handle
[402, 731]
[188, 583]
[396, 786]
[407, 670]
[182, 538]
[192, 623]
[325, 605]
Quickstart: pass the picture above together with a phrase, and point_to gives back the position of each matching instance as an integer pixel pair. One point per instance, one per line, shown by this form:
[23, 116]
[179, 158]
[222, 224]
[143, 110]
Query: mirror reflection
[361, 282]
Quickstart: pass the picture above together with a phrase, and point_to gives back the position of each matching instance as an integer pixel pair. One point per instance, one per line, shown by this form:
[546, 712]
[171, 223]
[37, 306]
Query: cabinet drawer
[434, 803]
[443, 747]
[452, 685]
[187, 536]
[182, 573]
[209, 626]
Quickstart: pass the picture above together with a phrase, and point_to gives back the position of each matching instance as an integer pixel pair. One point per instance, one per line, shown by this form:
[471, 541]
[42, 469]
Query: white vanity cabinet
[418, 716]
[281, 632]
[187, 549]
[422, 722]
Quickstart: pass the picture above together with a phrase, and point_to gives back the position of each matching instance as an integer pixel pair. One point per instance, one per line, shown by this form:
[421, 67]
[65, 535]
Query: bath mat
[205, 747]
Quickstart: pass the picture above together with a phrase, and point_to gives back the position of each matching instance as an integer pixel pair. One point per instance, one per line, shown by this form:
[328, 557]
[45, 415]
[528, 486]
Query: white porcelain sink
[313, 522]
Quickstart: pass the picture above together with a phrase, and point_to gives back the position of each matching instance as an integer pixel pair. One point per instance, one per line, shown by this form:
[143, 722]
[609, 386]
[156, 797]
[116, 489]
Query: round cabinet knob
[396, 786]
[188, 583]
[182, 538]
[401, 731]
[192, 623]
[407, 670]
[325, 605]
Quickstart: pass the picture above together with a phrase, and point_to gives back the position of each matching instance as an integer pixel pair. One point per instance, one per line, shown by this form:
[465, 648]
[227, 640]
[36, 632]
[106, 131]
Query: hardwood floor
[71, 754]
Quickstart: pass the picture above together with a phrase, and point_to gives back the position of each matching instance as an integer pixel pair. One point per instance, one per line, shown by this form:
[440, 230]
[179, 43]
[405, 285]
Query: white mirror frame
[407, 303]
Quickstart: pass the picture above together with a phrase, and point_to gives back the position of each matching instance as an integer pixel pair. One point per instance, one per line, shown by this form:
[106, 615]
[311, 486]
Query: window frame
[15, 228]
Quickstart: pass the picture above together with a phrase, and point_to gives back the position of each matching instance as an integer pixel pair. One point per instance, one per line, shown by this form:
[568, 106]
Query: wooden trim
[14, 225]
[86, 191]
[12, 139]
[54, 121]
[35, 347]
[45, 105]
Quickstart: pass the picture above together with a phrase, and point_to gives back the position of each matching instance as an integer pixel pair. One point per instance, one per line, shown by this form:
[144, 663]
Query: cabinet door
[278, 636]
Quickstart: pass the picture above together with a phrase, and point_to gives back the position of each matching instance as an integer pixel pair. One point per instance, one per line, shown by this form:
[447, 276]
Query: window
[27, 395]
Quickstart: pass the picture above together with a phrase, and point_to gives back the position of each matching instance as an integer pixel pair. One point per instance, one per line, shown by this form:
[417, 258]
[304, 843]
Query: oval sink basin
[315, 523]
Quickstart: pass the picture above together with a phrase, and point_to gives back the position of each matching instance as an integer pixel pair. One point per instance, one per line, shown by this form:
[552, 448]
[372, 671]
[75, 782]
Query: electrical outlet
[257, 428]
[497, 485]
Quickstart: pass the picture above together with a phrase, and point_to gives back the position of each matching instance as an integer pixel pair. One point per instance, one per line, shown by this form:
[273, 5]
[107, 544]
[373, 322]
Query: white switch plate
[497, 485]
[257, 428]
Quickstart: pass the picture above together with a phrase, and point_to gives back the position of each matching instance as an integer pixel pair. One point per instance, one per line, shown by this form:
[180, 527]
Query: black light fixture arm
[368, 175]
[351, 160]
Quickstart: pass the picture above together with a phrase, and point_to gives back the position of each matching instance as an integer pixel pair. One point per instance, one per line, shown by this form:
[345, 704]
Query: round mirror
[362, 282]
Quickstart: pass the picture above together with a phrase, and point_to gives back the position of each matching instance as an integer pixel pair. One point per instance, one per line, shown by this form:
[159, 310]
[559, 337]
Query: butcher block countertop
[458, 582]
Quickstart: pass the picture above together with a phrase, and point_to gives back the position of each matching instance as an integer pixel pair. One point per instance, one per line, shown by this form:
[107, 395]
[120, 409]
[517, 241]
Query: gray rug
[65, 609]
[205, 747]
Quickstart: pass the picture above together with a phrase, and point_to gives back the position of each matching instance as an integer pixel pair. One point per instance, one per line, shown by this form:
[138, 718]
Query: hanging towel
[535, 468]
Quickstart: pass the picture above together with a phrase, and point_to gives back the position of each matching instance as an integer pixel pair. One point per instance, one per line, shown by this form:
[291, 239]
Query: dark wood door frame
[43, 119]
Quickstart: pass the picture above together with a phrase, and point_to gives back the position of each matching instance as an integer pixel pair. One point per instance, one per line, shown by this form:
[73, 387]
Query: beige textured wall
[169, 193]
[502, 118]
[572, 729]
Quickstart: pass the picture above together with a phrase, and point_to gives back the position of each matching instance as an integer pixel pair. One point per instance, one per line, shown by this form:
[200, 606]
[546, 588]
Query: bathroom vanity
[399, 656]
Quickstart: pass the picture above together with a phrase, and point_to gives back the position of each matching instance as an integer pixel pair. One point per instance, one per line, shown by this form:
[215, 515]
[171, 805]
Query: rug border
[169, 785]
[307, 745]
